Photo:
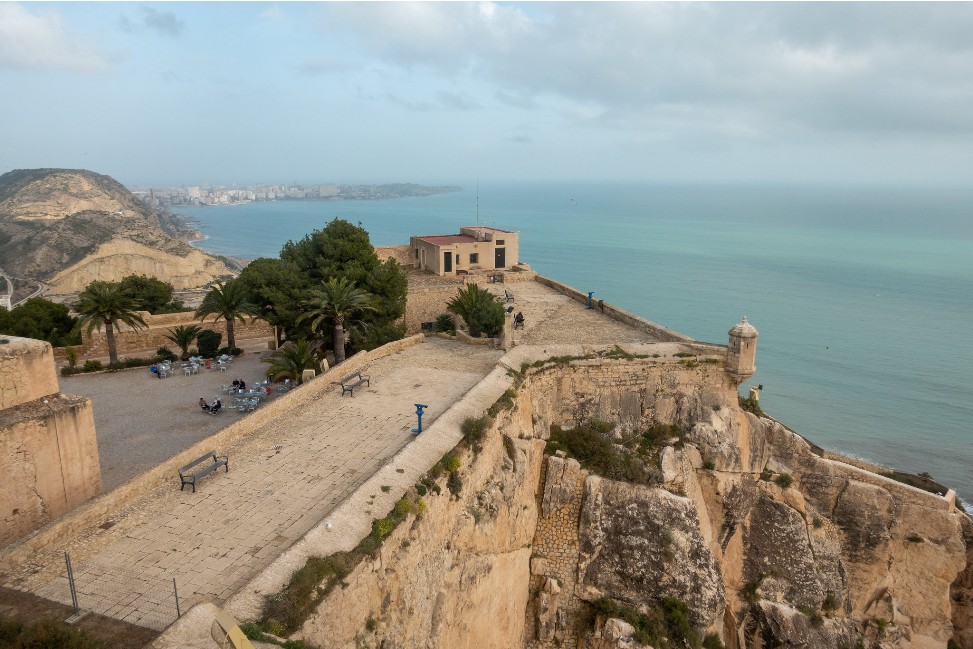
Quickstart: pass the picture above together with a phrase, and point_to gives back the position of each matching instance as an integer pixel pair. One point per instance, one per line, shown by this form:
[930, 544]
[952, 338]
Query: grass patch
[474, 429]
[50, 633]
[663, 626]
[621, 354]
[589, 444]
[254, 632]
[505, 402]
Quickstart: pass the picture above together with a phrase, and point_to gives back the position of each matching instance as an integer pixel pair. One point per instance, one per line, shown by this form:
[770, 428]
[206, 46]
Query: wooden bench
[189, 475]
[508, 295]
[352, 381]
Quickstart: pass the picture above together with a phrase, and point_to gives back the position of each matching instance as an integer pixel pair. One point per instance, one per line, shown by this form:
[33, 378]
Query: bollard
[419, 407]
[590, 295]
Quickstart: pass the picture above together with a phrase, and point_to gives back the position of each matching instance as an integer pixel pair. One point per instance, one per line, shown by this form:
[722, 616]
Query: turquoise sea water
[863, 297]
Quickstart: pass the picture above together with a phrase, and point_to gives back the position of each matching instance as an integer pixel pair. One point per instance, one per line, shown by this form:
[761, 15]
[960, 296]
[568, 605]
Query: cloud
[765, 69]
[162, 22]
[457, 101]
[519, 139]
[43, 42]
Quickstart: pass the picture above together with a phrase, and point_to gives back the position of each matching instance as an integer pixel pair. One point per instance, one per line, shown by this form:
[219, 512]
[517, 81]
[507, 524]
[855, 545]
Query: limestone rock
[562, 480]
[639, 544]
[779, 625]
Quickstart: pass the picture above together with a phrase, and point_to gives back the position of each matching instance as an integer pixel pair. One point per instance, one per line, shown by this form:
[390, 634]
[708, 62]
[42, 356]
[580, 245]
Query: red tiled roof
[448, 238]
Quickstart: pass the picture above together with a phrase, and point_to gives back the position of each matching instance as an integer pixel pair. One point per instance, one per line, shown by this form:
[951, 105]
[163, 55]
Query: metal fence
[117, 592]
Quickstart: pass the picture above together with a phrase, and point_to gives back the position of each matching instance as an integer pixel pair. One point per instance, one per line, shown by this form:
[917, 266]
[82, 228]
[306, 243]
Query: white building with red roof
[474, 248]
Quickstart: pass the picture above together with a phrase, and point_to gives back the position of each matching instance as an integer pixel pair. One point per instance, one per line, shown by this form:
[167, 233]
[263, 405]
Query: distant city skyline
[447, 93]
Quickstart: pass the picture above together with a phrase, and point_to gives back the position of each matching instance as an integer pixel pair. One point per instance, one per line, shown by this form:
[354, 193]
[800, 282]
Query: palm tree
[227, 300]
[337, 300]
[104, 304]
[290, 361]
[184, 336]
[479, 309]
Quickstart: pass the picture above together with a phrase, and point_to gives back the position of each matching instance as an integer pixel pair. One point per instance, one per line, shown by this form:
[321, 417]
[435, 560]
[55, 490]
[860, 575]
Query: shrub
[166, 354]
[590, 446]
[71, 356]
[454, 483]
[445, 323]
[452, 463]
[830, 603]
[818, 523]
[751, 405]
[371, 624]
[784, 480]
[915, 538]
[712, 641]
[482, 312]
[209, 342]
[92, 365]
[402, 508]
[474, 429]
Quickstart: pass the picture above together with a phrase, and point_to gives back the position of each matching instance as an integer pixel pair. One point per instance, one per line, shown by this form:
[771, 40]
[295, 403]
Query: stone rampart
[48, 448]
[402, 254]
[154, 335]
[97, 511]
[619, 315]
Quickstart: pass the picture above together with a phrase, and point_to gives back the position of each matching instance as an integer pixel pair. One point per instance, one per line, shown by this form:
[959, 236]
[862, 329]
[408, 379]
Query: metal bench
[427, 326]
[189, 475]
[352, 381]
[508, 295]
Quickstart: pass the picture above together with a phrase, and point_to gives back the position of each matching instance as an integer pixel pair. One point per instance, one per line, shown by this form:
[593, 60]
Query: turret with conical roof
[742, 350]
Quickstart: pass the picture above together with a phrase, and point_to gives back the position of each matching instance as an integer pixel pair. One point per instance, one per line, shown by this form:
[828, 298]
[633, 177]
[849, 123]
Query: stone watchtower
[741, 351]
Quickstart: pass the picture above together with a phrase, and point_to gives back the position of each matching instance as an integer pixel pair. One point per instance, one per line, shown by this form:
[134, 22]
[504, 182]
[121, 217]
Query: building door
[500, 258]
[447, 262]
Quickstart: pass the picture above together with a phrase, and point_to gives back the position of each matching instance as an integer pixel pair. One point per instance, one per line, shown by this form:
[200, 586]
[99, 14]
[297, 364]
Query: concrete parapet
[613, 312]
[27, 371]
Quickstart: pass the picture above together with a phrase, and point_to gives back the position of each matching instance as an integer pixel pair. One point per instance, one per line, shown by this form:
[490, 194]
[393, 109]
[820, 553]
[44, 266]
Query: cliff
[742, 523]
[66, 227]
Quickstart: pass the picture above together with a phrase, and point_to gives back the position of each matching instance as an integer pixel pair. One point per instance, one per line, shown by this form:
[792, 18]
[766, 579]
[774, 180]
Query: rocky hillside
[713, 524]
[67, 227]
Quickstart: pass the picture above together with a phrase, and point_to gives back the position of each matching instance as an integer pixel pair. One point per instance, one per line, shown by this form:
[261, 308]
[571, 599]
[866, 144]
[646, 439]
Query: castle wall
[402, 254]
[149, 339]
[48, 447]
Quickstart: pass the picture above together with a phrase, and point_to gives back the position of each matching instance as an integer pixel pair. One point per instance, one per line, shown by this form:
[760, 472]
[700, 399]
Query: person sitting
[236, 384]
[215, 408]
[203, 404]
[519, 320]
[243, 385]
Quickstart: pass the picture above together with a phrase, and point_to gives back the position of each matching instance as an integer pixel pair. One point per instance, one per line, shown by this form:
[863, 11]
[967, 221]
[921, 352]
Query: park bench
[508, 295]
[189, 473]
[427, 326]
[352, 381]
[495, 278]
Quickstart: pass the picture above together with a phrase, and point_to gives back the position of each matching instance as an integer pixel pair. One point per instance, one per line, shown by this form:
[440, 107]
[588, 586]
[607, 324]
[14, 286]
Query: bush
[751, 405]
[784, 480]
[454, 483]
[712, 641]
[71, 356]
[209, 342]
[474, 429]
[166, 354]
[590, 446]
[482, 312]
[445, 323]
[92, 365]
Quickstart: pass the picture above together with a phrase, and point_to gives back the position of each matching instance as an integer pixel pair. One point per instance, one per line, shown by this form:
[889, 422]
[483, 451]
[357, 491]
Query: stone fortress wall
[513, 558]
[150, 338]
[48, 448]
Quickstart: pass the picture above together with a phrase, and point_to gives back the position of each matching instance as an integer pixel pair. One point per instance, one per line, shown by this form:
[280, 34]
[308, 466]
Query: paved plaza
[282, 480]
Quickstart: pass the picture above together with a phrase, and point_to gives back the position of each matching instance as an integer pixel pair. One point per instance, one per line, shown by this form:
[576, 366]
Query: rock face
[66, 227]
[766, 542]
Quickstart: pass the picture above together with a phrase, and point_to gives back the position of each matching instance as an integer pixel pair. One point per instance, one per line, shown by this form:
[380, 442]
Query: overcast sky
[450, 92]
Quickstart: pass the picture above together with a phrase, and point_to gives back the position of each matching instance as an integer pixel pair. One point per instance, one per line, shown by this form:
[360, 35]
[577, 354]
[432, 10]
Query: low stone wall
[158, 326]
[26, 371]
[424, 303]
[401, 254]
[95, 512]
[619, 315]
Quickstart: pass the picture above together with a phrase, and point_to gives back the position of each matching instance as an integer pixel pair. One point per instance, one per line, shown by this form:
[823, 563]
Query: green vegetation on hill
[41, 319]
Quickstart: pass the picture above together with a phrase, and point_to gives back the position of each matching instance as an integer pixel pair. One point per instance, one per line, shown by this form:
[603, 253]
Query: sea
[863, 297]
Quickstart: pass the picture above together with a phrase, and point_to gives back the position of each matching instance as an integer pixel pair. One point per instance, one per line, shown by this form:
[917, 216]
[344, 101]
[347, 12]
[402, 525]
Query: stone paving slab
[281, 482]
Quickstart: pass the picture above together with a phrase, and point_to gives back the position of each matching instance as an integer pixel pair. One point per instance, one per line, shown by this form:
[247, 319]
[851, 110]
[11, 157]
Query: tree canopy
[277, 289]
[104, 304]
[150, 294]
[41, 319]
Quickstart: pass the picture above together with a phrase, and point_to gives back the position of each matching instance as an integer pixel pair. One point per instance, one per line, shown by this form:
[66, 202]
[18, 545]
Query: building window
[499, 242]
[457, 259]
[474, 257]
[417, 253]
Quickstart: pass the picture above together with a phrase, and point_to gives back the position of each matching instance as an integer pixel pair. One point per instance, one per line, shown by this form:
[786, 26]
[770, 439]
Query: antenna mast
[477, 202]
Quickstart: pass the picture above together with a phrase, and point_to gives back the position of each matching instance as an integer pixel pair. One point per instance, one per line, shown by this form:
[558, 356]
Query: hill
[67, 227]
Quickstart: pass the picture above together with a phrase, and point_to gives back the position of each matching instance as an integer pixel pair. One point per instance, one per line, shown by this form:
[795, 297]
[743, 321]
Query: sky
[192, 93]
